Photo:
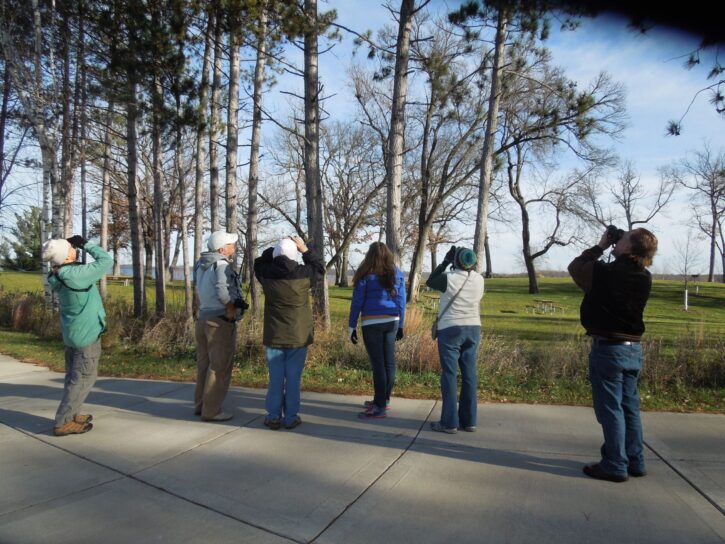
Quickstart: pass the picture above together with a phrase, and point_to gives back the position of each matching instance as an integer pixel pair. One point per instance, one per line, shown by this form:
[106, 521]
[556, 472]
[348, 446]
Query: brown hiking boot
[72, 427]
[83, 418]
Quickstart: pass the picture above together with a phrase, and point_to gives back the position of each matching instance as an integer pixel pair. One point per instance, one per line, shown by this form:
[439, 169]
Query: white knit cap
[221, 238]
[285, 247]
[56, 251]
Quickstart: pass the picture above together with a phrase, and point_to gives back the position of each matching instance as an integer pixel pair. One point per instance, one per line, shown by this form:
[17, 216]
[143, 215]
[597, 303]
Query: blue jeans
[379, 342]
[285, 374]
[614, 373]
[458, 348]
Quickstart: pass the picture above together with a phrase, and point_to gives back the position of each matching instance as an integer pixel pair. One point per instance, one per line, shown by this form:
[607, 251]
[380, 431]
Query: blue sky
[650, 66]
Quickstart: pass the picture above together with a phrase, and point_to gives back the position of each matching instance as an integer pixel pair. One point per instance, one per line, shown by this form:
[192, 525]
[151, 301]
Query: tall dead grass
[691, 359]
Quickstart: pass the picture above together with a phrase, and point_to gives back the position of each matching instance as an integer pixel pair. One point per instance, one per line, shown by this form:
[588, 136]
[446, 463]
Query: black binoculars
[614, 233]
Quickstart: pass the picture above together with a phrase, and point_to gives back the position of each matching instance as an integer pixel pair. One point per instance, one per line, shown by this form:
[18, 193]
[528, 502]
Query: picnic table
[542, 306]
[431, 301]
[124, 280]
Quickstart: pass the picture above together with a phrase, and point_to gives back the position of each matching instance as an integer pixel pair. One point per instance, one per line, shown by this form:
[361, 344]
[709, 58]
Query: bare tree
[632, 202]
[352, 179]
[704, 174]
[688, 261]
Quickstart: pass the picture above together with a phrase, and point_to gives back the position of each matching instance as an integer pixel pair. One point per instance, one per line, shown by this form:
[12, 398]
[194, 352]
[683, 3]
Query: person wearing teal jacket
[82, 321]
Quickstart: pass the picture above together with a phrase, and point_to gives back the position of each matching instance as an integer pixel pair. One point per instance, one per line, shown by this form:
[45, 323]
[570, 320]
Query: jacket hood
[208, 258]
[284, 263]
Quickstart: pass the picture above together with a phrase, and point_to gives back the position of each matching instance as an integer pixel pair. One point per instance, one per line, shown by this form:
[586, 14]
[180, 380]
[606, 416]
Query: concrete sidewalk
[152, 472]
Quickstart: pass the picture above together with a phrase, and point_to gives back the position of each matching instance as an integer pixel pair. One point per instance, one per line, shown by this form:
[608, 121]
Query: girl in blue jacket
[379, 296]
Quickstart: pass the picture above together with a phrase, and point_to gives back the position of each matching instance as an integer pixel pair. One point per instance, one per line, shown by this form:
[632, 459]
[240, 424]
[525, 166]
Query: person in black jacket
[612, 314]
[287, 324]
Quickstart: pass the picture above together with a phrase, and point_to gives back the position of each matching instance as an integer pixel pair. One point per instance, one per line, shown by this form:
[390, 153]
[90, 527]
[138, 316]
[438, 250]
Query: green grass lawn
[338, 367]
[503, 307]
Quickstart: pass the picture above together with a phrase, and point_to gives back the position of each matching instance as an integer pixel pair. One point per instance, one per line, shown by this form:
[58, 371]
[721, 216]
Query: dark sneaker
[83, 418]
[468, 429]
[221, 416]
[636, 473]
[438, 427]
[273, 423]
[72, 427]
[373, 413]
[369, 405]
[296, 422]
[596, 471]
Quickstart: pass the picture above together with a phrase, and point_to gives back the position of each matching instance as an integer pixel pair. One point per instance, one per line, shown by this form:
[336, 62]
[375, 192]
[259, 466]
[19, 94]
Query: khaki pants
[216, 341]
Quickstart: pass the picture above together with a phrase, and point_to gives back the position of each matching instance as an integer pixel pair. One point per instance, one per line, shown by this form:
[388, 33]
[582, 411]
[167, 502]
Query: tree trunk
[394, 168]
[177, 245]
[344, 282]
[312, 161]
[526, 240]
[416, 264]
[106, 195]
[201, 129]
[139, 293]
[433, 257]
[81, 66]
[3, 119]
[253, 183]
[232, 123]
[158, 197]
[214, 123]
[487, 249]
[484, 187]
[67, 141]
[713, 248]
[188, 297]
[116, 263]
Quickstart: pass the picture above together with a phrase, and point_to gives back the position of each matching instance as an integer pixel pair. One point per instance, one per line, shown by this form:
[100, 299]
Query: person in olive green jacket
[82, 321]
[287, 324]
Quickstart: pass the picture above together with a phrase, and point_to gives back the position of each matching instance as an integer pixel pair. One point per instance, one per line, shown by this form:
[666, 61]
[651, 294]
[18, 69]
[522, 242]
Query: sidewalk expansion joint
[376, 480]
[158, 488]
[685, 478]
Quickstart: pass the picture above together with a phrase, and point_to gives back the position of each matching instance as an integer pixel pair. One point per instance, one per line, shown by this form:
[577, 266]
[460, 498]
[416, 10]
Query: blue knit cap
[465, 259]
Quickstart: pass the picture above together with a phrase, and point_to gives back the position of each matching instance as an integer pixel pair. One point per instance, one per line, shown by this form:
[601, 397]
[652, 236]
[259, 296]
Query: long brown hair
[379, 261]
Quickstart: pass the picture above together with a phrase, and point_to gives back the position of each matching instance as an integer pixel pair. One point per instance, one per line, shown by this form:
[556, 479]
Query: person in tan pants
[220, 301]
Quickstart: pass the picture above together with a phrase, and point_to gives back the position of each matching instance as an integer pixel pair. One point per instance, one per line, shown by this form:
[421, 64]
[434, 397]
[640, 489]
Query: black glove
[241, 304]
[77, 241]
[353, 337]
[450, 255]
[399, 335]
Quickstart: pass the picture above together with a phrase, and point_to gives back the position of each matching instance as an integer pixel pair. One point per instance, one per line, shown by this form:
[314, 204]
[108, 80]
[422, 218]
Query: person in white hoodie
[459, 335]
[220, 306]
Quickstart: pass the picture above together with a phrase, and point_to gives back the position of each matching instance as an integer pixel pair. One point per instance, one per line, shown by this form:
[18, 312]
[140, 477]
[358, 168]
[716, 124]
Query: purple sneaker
[369, 405]
[373, 413]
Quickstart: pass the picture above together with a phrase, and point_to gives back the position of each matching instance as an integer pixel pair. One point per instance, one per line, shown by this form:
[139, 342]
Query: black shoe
[636, 473]
[596, 471]
[296, 422]
[273, 423]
